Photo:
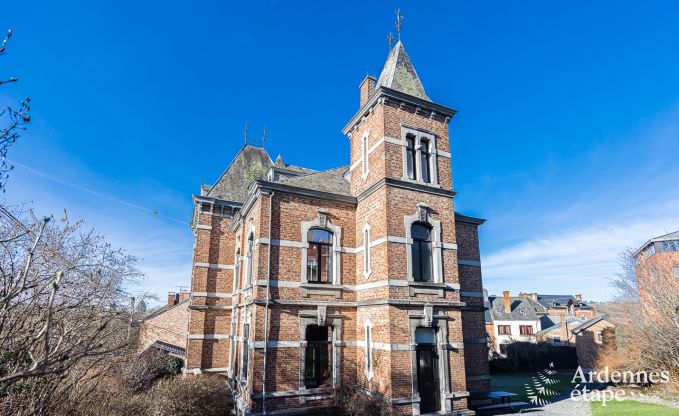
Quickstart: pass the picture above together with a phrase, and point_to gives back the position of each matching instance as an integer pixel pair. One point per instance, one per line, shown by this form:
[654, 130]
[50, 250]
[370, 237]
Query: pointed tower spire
[399, 74]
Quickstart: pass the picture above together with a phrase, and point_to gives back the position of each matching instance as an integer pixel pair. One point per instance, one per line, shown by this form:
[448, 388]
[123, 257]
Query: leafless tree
[12, 121]
[646, 312]
[64, 315]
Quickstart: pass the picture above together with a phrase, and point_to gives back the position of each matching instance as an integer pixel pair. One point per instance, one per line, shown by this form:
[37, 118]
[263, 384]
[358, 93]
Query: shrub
[355, 401]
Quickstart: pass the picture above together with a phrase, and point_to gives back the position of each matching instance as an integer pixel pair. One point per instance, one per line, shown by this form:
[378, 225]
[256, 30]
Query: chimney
[183, 295]
[367, 88]
[533, 296]
[172, 299]
[508, 303]
[578, 297]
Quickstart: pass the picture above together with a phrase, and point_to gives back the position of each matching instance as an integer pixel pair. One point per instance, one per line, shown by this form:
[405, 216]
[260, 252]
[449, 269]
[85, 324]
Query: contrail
[95, 193]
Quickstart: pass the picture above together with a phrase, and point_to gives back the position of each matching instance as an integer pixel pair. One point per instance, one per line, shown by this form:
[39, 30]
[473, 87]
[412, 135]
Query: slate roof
[522, 309]
[550, 301]
[588, 324]
[331, 181]
[399, 74]
[571, 320]
[279, 164]
[667, 237]
[249, 164]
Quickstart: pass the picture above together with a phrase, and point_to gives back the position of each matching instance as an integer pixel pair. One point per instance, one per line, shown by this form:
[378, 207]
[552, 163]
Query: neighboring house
[564, 305]
[514, 319]
[534, 317]
[305, 281]
[561, 332]
[592, 340]
[166, 329]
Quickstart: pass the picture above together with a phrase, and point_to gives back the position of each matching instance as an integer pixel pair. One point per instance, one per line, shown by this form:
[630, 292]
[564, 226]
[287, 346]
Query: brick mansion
[363, 275]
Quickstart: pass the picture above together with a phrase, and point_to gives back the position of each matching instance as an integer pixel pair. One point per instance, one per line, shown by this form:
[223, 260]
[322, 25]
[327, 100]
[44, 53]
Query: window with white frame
[364, 144]
[368, 350]
[676, 270]
[250, 259]
[366, 251]
[419, 156]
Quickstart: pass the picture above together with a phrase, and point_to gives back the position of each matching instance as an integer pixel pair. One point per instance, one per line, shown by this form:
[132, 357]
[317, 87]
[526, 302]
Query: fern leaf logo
[538, 389]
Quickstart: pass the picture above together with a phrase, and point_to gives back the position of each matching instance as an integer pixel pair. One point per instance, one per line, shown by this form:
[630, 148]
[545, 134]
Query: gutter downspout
[266, 307]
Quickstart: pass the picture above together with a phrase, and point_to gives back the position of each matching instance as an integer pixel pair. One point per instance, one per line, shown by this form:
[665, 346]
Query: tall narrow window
[319, 256]
[365, 156]
[410, 157]
[250, 260]
[366, 251]
[425, 160]
[246, 349]
[318, 355]
[368, 351]
[236, 270]
[421, 253]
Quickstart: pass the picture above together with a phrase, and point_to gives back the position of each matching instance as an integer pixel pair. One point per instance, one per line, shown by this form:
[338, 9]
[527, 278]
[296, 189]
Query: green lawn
[516, 383]
[630, 408]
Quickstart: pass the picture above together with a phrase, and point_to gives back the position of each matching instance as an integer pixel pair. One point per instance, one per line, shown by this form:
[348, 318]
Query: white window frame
[324, 223]
[367, 263]
[433, 155]
[369, 363]
[365, 149]
[249, 254]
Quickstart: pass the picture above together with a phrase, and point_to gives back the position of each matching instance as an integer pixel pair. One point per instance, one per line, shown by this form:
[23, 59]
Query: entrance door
[427, 377]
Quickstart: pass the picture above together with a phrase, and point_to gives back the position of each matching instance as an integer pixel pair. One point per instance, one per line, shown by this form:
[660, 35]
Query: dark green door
[427, 377]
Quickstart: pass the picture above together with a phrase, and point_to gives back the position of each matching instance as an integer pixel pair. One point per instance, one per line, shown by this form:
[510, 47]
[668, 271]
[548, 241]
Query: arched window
[425, 158]
[249, 254]
[319, 256]
[422, 253]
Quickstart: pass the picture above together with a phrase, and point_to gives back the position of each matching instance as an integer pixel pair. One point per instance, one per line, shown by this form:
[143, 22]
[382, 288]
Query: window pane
[425, 336]
[427, 270]
[316, 235]
[417, 262]
[246, 346]
[312, 263]
[424, 167]
[326, 263]
[420, 232]
[410, 157]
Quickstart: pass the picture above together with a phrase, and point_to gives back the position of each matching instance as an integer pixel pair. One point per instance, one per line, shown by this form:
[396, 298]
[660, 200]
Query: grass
[630, 408]
[516, 383]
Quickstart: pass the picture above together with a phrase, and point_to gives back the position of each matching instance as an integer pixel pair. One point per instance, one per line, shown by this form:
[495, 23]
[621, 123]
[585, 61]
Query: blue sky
[566, 140]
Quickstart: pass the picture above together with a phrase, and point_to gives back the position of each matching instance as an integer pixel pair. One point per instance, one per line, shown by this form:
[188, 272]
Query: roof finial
[399, 25]
[390, 40]
[264, 137]
[245, 132]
